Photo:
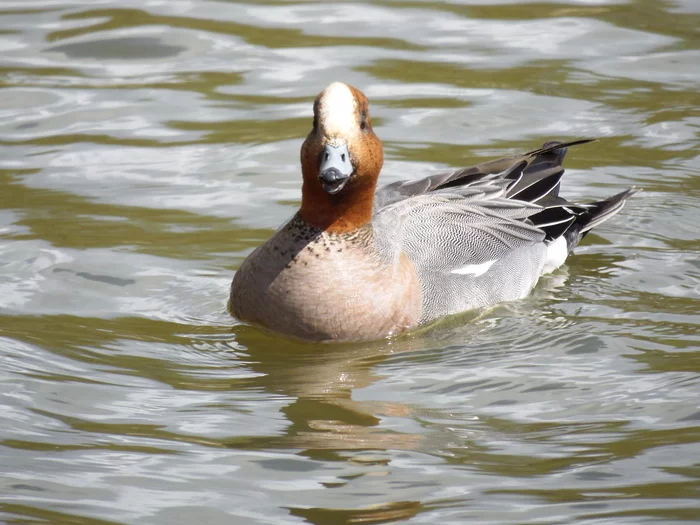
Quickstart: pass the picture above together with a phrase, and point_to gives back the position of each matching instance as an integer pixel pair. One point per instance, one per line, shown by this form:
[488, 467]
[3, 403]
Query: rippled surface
[146, 148]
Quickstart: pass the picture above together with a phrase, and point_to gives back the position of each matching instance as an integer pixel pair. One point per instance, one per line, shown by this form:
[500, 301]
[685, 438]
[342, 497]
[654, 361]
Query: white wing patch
[474, 269]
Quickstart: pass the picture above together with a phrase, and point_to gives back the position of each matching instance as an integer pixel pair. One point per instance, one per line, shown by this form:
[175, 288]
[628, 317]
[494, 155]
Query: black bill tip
[333, 180]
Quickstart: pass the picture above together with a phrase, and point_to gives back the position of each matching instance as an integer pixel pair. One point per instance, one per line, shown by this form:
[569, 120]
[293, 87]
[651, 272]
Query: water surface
[147, 147]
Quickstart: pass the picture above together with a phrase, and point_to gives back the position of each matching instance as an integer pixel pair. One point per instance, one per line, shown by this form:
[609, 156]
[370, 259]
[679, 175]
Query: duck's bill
[335, 169]
[332, 180]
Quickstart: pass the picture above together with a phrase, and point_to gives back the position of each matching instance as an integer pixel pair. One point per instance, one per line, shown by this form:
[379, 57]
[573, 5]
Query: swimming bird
[356, 263]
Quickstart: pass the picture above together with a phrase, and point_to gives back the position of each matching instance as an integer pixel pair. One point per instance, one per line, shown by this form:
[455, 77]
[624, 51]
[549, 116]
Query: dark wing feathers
[523, 169]
[536, 189]
[533, 178]
[555, 220]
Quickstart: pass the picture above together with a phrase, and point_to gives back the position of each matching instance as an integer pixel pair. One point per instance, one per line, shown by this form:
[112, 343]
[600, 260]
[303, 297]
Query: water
[146, 148]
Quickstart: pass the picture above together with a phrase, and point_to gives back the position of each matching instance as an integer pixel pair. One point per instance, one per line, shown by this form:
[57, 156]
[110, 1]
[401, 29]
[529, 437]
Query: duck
[359, 263]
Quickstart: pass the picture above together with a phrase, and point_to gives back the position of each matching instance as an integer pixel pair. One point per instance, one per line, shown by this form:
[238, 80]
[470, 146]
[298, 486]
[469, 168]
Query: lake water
[147, 146]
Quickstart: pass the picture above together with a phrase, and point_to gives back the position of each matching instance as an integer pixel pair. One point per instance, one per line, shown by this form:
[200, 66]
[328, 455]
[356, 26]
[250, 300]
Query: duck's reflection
[324, 418]
[387, 513]
[326, 422]
[329, 421]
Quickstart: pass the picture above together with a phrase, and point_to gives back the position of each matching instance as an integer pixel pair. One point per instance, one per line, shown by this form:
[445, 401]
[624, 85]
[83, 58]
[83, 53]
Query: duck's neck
[345, 212]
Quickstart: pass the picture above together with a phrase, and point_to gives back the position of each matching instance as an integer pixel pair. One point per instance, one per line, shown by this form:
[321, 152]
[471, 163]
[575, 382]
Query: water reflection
[388, 513]
[324, 418]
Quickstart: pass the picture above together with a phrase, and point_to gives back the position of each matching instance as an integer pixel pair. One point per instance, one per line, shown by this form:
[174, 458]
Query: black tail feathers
[573, 221]
[594, 214]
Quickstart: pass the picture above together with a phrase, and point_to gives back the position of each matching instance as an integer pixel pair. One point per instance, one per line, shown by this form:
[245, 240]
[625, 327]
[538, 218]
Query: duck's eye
[363, 121]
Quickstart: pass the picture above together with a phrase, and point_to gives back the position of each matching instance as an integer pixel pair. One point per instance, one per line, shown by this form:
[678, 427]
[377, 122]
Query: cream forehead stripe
[338, 107]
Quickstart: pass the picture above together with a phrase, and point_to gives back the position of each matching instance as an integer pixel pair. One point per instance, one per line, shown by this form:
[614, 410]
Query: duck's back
[470, 246]
[485, 234]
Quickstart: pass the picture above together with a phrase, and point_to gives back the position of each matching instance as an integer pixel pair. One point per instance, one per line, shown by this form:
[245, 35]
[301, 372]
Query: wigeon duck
[354, 264]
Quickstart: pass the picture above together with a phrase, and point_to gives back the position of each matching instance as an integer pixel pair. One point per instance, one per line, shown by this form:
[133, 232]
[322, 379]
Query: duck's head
[340, 160]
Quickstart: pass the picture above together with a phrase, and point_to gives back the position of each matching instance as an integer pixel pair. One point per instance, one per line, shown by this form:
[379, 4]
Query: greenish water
[147, 147]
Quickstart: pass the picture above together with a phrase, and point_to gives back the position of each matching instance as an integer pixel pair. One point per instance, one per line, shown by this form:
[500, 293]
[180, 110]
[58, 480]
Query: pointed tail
[594, 214]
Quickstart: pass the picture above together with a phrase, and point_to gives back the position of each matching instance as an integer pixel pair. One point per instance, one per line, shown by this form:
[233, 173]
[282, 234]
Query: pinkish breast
[326, 288]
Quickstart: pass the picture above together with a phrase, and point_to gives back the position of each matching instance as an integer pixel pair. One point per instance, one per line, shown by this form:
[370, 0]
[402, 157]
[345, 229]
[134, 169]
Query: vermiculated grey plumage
[480, 235]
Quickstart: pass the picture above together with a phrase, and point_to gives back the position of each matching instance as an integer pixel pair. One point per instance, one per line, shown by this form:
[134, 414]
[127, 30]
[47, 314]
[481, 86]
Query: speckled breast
[313, 285]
